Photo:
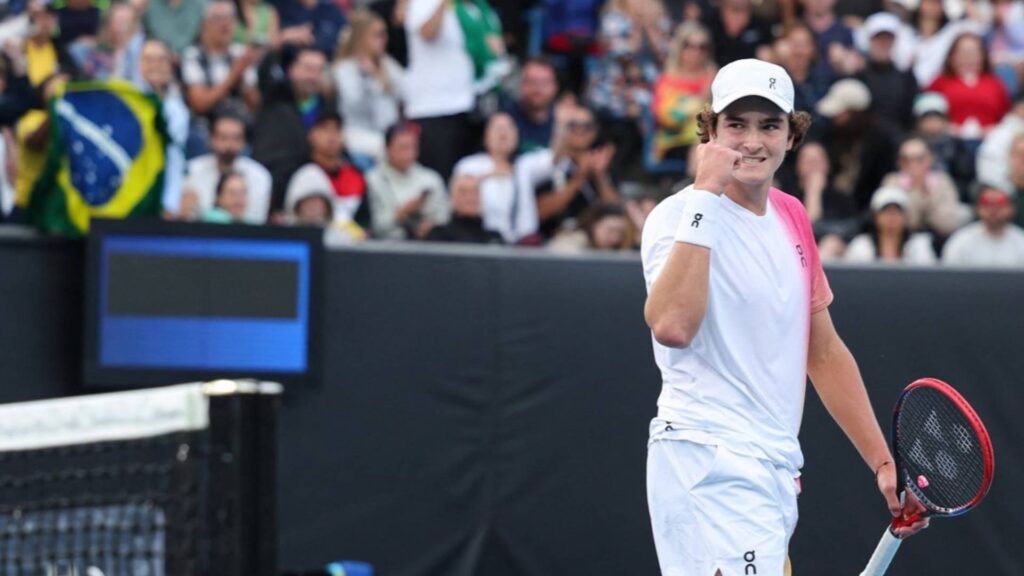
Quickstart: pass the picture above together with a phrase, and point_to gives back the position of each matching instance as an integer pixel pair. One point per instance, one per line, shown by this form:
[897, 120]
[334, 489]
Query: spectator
[1005, 42]
[1015, 181]
[934, 34]
[933, 201]
[77, 20]
[638, 27]
[620, 87]
[258, 25]
[571, 177]
[176, 22]
[534, 110]
[737, 32]
[950, 154]
[798, 54]
[829, 211]
[219, 76]
[310, 24]
[887, 238]
[976, 96]
[892, 90]
[327, 155]
[862, 150]
[570, 33]
[440, 83]
[836, 54]
[115, 55]
[484, 40]
[227, 142]
[507, 208]
[157, 75]
[279, 138]
[466, 224]
[310, 202]
[406, 198]
[230, 204]
[603, 227]
[682, 90]
[993, 155]
[42, 56]
[370, 85]
[310, 199]
[992, 241]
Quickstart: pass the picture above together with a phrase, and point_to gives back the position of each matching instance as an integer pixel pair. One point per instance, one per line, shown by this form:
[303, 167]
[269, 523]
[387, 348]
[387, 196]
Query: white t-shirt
[217, 69]
[439, 81]
[973, 246]
[917, 251]
[203, 176]
[741, 382]
[506, 207]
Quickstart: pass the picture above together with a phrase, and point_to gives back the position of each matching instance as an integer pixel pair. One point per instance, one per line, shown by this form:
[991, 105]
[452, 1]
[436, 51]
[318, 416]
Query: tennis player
[738, 306]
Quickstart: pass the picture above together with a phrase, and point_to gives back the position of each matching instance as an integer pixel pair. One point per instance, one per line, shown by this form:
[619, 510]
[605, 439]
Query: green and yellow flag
[106, 157]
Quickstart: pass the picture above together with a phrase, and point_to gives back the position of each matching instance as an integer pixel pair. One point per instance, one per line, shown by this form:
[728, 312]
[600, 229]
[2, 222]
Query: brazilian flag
[106, 157]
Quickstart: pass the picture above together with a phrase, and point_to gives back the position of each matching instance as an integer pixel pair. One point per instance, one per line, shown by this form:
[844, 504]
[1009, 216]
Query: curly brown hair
[799, 123]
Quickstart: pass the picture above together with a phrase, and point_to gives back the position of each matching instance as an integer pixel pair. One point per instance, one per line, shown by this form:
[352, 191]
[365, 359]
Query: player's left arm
[838, 382]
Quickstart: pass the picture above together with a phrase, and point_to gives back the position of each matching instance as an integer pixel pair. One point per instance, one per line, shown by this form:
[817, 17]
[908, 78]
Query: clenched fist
[715, 165]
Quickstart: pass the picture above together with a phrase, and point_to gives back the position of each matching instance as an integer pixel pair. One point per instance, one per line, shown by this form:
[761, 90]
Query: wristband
[697, 225]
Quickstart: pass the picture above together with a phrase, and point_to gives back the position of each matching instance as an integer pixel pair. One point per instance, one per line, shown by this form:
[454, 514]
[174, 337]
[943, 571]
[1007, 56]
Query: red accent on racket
[943, 454]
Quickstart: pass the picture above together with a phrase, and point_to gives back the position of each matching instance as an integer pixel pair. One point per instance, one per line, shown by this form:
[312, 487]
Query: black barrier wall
[485, 412]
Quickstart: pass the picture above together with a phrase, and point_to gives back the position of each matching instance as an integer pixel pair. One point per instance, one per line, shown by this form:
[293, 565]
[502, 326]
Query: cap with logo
[752, 77]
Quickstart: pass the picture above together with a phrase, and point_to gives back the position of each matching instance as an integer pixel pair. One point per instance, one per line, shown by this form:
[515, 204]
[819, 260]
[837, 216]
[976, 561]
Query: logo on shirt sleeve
[800, 252]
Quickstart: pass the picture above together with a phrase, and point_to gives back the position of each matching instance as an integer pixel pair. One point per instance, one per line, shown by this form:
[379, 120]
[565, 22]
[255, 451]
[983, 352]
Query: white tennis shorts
[712, 509]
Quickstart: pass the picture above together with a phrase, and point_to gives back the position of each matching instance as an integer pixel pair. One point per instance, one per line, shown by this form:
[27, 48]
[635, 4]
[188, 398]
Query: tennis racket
[943, 456]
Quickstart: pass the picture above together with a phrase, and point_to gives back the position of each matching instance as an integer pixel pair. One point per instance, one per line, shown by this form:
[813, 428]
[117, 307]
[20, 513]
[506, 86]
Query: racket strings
[939, 451]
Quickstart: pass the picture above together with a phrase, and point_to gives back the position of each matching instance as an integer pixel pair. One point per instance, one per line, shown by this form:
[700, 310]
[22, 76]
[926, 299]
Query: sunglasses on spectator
[576, 125]
[993, 199]
[702, 46]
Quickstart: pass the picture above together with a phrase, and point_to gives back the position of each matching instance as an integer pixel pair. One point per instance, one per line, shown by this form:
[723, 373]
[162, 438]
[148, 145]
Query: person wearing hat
[934, 202]
[861, 147]
[887, 236]
[892, 89]
[994, 240]
[738, 309]
[951, 154]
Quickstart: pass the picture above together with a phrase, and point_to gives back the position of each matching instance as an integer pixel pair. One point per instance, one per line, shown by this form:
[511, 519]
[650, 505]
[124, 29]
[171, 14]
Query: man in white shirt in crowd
[227, 141]
[994, 240]
[738, 309]
[406, 198]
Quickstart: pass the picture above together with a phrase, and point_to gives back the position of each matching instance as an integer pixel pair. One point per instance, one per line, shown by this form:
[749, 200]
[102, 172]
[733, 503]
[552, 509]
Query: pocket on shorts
[681, 463]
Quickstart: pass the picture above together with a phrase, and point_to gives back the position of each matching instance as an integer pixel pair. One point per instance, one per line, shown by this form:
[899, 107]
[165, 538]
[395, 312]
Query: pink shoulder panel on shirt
[794, 218]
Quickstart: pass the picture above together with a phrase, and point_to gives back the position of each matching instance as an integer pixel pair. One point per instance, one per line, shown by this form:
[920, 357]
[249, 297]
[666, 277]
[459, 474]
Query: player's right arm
[678, 297]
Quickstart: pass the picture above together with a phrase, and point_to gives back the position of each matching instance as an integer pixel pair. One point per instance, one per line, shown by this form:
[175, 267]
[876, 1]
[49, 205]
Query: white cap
[880, 22]
[931, 103]
[847, 94]
[750, 77]
[887, 195]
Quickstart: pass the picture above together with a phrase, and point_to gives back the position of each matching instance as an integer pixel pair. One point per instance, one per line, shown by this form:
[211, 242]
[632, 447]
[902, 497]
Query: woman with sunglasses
[682, 90]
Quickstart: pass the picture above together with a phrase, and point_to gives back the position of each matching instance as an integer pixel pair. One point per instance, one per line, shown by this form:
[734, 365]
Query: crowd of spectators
[546, 122]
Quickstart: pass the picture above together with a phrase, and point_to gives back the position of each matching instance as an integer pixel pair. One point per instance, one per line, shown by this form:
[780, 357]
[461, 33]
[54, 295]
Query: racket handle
[884, 553]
